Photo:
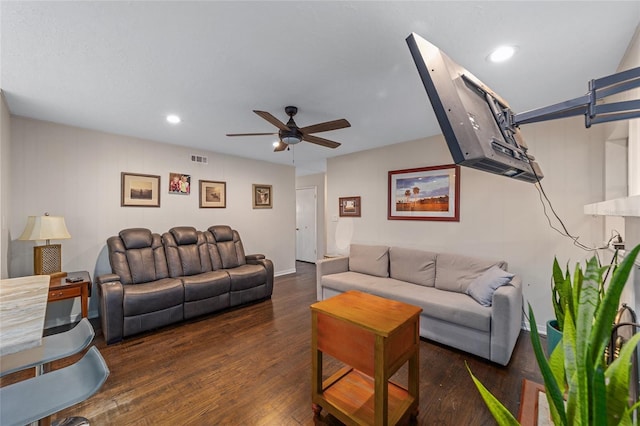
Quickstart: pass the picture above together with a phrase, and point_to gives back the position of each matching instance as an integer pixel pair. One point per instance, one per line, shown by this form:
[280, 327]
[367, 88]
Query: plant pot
[554, 335]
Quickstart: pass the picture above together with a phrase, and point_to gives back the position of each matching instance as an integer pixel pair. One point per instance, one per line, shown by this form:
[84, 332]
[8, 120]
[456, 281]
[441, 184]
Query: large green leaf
[577, 398]
[556, 297]
[575, 291]
[556, 362]
[617, 379]
[589, 297]
[499, 411]
[598, 398]
[552, 388]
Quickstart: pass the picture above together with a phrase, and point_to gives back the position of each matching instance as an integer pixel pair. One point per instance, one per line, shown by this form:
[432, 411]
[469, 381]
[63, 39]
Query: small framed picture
[427, 193]
[139, 190]
[262, 196]
[213, 195]
[349, 206]
[179, 183]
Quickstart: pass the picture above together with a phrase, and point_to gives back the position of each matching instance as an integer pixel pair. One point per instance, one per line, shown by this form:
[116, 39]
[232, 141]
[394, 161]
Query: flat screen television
[475, 121]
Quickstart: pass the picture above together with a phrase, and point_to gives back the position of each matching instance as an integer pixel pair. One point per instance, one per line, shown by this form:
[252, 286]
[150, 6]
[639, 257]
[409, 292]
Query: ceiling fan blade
[271, 119]
[325, 127]
[320, 141]
[280, 147]
[250, 134]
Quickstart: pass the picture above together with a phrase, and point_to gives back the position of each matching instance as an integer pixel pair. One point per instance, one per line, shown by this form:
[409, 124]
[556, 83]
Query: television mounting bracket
[586, 105]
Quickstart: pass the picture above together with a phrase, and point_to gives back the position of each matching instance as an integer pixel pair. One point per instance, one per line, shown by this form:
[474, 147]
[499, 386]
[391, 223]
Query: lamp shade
[45, 228]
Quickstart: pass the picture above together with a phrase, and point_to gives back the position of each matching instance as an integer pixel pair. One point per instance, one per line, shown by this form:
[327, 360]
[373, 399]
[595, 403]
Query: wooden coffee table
[373, 337]
[60, 289]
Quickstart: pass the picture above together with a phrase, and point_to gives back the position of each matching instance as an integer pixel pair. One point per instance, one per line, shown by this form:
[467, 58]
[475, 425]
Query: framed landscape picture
[349, 206]
[213, 195]
[139, 190]
[428, 193]
[262, 196]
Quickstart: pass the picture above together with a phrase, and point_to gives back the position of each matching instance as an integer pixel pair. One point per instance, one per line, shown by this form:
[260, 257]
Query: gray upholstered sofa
[158, 280]
[451, 290]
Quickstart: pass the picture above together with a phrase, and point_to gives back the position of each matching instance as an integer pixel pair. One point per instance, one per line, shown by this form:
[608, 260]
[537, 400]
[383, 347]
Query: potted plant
[562, 295]
[565, 295]
[595, 393]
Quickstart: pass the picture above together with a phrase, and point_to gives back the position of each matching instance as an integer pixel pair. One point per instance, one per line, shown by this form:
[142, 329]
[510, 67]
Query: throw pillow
[483, 287]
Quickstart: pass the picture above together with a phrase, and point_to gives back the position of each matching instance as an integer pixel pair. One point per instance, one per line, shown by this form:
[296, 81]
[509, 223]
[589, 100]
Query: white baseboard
[542, 328]
[285, 272]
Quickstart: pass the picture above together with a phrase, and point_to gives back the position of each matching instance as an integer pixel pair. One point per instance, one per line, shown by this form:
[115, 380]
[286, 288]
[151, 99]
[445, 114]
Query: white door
[306, 224]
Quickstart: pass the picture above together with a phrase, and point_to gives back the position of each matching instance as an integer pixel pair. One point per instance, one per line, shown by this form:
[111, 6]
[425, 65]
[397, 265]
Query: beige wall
[499, 218]
[75, 173]
[5, 174]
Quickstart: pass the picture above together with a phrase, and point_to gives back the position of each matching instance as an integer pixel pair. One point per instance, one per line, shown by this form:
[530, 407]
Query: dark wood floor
[252, 366]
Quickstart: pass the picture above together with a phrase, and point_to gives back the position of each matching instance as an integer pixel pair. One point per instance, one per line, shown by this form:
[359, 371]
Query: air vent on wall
[199, 159]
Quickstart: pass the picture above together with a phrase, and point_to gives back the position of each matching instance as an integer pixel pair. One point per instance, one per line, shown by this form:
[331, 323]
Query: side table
[374, 337]
[60, 289]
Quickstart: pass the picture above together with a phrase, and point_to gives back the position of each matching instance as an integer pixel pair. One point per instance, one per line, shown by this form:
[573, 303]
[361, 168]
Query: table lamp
[47, 259]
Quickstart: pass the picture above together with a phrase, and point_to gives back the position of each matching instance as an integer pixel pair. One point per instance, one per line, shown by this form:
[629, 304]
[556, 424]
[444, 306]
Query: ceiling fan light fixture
[291, 140]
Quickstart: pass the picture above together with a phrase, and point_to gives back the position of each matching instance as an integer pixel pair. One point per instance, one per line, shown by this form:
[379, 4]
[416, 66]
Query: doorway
[306, 238]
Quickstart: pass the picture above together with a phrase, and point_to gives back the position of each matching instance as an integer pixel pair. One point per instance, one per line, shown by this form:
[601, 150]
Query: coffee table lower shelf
[349, 395]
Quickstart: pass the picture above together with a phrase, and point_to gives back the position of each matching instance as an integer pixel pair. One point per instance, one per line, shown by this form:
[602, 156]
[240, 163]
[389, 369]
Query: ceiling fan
[291, 134]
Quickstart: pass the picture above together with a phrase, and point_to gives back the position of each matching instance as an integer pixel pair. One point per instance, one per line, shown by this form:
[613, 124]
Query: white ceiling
[120, 67]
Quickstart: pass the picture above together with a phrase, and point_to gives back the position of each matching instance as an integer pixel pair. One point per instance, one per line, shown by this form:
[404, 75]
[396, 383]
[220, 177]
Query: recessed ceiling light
[173, 119]
[502, 53]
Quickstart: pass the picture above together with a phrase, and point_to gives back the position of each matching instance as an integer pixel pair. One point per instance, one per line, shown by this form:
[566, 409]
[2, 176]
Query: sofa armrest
[268, 265]
[107, 278]
[111, 310]
[253, 258]
[506, 320]
[329, 266]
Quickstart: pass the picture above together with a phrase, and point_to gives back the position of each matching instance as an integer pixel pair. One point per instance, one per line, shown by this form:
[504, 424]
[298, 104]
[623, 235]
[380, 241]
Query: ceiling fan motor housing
[293, 135]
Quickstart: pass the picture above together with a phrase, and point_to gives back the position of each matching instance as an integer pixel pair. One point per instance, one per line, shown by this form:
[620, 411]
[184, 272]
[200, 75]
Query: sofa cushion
[455, 272]
[345, 281]
[371, 260]
[184, 235]
[205, 285]
[151, 297]
[247, 276]
[483, 287]
[414, 266]
[135, 238]
[456, 308]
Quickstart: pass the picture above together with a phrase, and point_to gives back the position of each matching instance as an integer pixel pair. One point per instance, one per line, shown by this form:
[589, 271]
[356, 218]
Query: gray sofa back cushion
[455, 272]
[137, 256]
[414, 266]
[372, 260]
[229, 246]
[186, 251]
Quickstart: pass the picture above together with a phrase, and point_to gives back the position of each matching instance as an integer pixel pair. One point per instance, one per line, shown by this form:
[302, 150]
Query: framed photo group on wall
[142, 190]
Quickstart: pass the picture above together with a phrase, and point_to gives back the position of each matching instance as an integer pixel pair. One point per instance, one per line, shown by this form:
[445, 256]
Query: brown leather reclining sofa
[158, 281]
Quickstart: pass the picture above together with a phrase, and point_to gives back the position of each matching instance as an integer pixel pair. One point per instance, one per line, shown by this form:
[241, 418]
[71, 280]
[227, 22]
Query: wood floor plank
[252, 366]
